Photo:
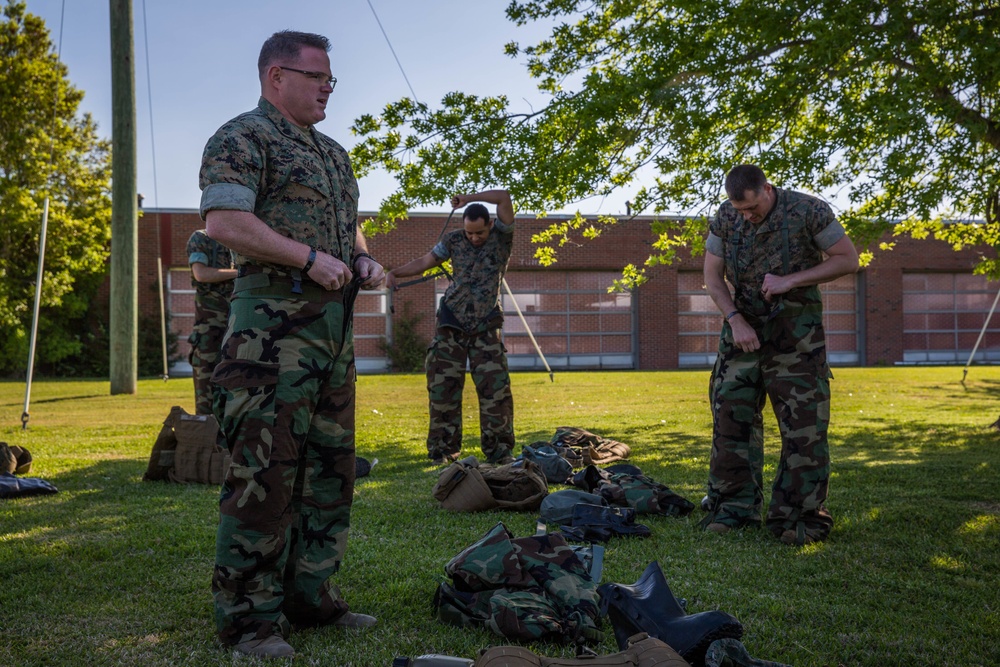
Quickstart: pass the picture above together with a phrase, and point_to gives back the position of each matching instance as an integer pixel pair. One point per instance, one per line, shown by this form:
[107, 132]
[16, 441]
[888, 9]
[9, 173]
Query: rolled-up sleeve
[830, 235]
[228, 197]
[441, 251]
[714, 245]
[231, 168]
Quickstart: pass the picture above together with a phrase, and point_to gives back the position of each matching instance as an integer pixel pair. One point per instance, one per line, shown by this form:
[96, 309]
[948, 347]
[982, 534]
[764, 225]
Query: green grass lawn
[116, 571]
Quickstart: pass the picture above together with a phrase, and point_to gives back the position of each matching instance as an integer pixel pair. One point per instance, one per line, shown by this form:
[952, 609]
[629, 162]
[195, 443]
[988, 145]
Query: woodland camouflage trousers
[789, 368]
[445, 365]
[285, 403]
[211, 315]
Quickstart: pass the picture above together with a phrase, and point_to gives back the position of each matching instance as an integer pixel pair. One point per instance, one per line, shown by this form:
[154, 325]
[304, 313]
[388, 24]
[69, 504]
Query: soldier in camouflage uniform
[769, 244]
[469, 320]
[284, 198]
[212, 275]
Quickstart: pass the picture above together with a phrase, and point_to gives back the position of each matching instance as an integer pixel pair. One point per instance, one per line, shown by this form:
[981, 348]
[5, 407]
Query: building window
[840, 320]
[699, 322]
[575, 320]
[943, 315]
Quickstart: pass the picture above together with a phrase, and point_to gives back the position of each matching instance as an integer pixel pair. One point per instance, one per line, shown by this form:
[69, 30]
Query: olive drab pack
[187, 450]
[642, 651]
[524, 589]
[595, 449]
[468, 486]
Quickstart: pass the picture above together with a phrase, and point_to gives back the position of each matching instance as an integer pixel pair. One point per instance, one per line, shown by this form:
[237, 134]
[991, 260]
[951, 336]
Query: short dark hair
[475, 212]
[287, 44]
[742, 178]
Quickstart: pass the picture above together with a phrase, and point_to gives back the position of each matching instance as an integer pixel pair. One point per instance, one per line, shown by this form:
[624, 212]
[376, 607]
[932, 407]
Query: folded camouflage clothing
[592, 448]
[523, 589]
[626, 485]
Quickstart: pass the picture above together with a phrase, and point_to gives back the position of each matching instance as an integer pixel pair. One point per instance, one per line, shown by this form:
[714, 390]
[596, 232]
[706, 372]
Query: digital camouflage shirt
[790, 239]
[472, 298]
[204, 249]
[298, 181]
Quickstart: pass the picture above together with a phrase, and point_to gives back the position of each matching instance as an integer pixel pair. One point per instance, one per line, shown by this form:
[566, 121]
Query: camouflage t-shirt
[790, 239]
[206, 250]
[298, 181]
[474, 294]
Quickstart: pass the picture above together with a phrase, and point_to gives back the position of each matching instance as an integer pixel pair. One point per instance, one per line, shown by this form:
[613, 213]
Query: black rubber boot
[649, 606]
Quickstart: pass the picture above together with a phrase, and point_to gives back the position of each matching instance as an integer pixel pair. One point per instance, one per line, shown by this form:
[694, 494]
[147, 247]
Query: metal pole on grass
[34, 317]
[163, 313]
[965, 371]
[528, 329]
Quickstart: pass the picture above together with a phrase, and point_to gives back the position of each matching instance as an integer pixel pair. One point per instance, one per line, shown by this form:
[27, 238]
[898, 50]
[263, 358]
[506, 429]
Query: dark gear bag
[626, 485]
[521, 588]
[599, 523]
[16, 487]
[595, 449]
[557, 469]
[642, 651]
[468, 486]
[557, 508]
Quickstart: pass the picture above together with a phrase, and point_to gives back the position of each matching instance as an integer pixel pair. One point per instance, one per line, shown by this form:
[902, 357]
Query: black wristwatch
[309, 262]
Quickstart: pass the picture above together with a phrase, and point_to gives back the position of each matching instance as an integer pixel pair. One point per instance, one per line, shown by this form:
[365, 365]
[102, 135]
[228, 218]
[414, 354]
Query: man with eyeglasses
[284, 198]
[774, 246]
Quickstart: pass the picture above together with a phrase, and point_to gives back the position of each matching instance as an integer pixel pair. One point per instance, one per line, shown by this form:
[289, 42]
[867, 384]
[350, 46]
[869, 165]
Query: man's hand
[371, 272]
[390, 281]
[774, 286]
[744, 337]
[329, 272]
[458, 201]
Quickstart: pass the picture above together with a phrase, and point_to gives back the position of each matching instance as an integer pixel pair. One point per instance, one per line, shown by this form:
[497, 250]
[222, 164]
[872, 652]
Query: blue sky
[202, 70]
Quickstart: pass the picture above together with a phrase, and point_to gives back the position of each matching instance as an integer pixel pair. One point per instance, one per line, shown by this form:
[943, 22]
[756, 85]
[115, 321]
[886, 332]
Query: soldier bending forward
[770, 244]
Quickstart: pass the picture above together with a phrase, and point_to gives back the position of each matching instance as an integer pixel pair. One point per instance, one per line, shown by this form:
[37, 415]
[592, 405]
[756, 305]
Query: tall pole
[124, 206]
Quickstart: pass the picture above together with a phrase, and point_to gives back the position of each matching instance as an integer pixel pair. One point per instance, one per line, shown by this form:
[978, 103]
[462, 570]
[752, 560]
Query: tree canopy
[893, 103]
[46, 150]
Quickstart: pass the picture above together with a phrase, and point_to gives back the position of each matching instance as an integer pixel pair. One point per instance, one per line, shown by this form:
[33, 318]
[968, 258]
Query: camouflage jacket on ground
[298, 181]
[477, 276]
[790, 239]
[521, 588]
[204, 249]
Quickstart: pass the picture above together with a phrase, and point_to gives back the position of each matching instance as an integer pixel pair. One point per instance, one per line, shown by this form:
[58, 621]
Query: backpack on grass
[187, 450]
[468, 486]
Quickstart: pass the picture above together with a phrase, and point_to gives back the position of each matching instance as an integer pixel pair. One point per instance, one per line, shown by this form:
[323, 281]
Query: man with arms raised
[469, 320]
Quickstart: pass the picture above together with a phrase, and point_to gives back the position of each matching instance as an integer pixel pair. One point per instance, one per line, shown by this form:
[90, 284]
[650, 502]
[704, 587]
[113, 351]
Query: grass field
[115, 571]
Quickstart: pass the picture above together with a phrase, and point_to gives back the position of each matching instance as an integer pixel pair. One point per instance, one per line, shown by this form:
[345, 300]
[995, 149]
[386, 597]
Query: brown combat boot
[269, 647]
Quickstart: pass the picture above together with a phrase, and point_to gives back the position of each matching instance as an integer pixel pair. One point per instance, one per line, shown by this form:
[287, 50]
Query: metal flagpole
[528, 329]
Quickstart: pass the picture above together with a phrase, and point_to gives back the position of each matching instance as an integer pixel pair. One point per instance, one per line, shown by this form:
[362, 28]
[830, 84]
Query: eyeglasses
[318, 77]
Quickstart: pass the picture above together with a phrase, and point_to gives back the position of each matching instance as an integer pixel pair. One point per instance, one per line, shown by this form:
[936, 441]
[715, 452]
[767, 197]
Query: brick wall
[655, 302]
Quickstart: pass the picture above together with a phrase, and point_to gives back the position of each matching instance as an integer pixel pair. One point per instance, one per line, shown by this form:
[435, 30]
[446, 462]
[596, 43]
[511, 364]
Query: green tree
[893, 102]
[46, 150]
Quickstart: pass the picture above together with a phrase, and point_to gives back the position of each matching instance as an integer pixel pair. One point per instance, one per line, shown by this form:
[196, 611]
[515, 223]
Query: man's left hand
[774, 286]
[371, 272]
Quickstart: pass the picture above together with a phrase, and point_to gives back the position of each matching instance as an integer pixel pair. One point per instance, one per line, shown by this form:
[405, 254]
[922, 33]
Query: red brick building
[919, 303]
